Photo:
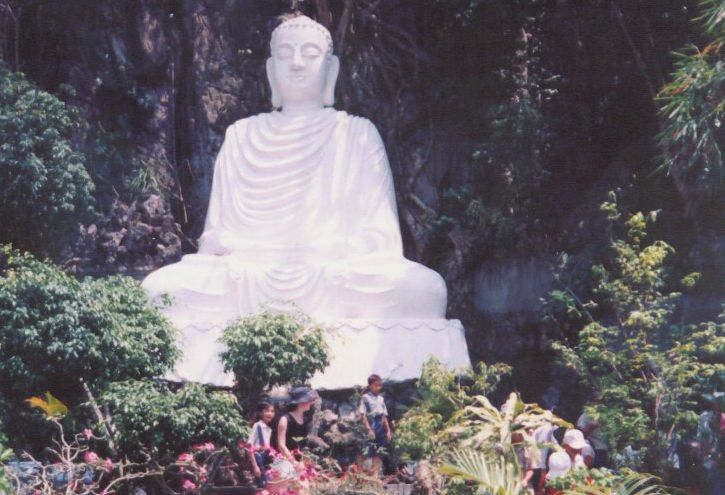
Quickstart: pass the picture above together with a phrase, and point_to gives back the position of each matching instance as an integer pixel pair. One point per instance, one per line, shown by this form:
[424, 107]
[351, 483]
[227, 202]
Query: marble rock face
[302, 212]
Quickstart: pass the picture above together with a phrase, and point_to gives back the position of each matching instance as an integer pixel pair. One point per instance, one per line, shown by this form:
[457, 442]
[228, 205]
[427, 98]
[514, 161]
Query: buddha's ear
[276, 99]
[333, 70]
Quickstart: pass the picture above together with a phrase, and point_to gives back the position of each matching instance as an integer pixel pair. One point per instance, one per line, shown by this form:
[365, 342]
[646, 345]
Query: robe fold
[302, 210]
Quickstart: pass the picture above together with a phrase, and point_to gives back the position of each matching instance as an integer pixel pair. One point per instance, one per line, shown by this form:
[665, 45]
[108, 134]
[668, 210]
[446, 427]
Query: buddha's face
[300, 68]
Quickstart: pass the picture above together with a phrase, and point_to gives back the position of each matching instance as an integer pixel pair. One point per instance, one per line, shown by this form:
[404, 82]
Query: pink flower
[108, 464]
[90, 457]
[185, 457]
[309, 474]
[88, 433]
[188, 486]
[263, 492]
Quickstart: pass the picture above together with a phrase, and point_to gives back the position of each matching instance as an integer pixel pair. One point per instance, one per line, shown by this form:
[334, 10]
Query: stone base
[395, 349]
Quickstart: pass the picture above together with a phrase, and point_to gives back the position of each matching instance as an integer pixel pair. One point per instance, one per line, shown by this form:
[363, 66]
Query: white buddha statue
[302, 210]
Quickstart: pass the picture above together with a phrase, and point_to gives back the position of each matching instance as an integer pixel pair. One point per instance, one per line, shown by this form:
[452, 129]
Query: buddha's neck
[294, 108]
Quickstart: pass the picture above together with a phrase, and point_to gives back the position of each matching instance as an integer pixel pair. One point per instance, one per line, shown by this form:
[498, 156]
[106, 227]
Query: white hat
[559, 464]
[574, 439]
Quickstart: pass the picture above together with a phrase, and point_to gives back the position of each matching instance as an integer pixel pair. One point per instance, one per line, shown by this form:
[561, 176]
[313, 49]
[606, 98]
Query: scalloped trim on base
[395, 349]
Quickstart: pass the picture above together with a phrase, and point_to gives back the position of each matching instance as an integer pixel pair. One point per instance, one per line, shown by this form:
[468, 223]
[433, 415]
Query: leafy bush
[646, 372]
[57, 332]
[693, 105]
[45, 185]
[166, 423]
[272, 349]
[441, 394]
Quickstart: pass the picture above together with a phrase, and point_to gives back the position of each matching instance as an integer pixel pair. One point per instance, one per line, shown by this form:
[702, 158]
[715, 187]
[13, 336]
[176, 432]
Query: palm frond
[492, 474]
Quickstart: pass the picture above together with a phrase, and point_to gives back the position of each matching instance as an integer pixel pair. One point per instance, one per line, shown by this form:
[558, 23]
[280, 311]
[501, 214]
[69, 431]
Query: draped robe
[302, 210]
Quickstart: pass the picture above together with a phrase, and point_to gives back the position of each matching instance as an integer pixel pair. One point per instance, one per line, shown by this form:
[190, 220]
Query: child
[259, 439]
[375, 419]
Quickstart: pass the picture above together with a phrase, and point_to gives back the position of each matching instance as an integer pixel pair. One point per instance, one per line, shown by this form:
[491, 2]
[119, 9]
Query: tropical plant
[441, 393]
[149, 416]
[480, 425]
[45, 188]
[693, 110]
[492, 473]
[646, 373]
[270, 349]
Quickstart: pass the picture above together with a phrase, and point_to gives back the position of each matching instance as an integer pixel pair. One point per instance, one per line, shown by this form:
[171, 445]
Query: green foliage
[645, 371]
[44, 186]
[149, 415]
[271, 349]
[603, 482]
[56, 331]
[576, 478]
[6, 487]
[441, 393]
[492, 474]
[481, 426]
[415, 434]
[693, 108]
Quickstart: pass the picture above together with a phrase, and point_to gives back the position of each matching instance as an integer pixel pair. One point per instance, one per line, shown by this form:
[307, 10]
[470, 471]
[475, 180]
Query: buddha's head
[302, 68]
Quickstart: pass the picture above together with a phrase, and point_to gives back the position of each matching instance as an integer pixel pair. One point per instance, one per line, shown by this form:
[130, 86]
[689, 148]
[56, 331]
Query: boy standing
[374, 414]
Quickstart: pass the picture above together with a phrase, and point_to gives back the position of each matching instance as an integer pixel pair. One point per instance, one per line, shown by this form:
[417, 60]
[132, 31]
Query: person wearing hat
[591, 429]
[290, 428]
[573, 444]
[558, 465]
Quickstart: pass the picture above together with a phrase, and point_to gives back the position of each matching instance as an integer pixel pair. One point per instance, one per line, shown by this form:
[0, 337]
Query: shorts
[378, 446]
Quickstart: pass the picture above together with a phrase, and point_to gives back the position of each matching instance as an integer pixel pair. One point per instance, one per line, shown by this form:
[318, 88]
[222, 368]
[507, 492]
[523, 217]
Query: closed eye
[284, 51]
[311, 51]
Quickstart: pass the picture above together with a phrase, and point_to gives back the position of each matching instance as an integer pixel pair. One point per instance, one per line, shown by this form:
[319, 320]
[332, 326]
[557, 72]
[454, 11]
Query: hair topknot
[303, 22]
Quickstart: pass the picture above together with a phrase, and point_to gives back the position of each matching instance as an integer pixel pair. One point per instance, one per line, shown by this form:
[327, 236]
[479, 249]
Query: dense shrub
[441, 393]
[646, 372]
[166, 423]
[45, 187]
[272, 349]
[56, 331]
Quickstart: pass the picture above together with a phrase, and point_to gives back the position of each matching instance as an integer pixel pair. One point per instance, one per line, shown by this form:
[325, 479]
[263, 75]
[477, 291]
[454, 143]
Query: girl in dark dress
[291, 428]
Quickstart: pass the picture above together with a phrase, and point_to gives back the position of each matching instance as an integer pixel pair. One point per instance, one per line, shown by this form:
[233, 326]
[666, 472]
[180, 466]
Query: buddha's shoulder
[355, 119]
[360, 124]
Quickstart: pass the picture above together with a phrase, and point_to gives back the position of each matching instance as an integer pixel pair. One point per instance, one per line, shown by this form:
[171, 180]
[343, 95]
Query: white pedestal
[395, 349]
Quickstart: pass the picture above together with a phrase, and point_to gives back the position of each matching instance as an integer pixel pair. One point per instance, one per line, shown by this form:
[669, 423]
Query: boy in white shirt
[374, 414]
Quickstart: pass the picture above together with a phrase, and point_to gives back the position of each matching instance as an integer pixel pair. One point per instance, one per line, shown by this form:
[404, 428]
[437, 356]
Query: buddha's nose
[297, 62]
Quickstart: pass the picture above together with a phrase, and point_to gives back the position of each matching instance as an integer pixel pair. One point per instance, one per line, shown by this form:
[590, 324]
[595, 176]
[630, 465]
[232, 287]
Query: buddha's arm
[378, 229]
[212, 239]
